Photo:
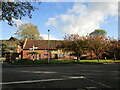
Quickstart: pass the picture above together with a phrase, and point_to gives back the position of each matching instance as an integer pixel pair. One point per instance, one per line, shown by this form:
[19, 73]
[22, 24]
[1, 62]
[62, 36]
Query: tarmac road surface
[74, 76]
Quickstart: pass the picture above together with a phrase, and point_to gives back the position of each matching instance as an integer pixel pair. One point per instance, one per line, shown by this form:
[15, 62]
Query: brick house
[39, 49]
[8, 49]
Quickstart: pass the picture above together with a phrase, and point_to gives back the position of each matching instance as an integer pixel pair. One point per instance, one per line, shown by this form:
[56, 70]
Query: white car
[75, 58]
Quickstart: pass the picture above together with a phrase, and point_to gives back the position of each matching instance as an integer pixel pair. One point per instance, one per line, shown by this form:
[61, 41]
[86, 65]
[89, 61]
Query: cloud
[45, 37]
[83, 18]
[53, 22]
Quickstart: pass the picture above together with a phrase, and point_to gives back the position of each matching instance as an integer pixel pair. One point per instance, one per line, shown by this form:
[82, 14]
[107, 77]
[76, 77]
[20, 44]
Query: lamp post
[33, 52]
[48, 47]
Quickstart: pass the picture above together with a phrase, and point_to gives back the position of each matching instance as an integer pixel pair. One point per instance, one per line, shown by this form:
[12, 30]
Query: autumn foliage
[75, 44]
[79, 45]
[98, 44]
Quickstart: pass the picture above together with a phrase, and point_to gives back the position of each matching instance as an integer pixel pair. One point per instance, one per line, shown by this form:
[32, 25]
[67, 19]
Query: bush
[44, 62]
[59, 61]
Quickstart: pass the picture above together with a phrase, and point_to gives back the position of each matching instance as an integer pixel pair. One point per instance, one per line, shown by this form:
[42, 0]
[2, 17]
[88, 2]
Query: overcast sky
[70, 18]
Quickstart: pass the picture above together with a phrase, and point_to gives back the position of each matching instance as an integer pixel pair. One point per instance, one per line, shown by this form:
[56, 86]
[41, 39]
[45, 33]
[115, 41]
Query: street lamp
[48, 47]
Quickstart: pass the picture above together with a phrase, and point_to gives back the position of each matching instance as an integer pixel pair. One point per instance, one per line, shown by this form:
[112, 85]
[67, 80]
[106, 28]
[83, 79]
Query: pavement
[63, 76]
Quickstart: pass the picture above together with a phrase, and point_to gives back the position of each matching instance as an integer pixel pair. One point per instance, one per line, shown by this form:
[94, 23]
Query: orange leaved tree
[98, 44]
[75, 44]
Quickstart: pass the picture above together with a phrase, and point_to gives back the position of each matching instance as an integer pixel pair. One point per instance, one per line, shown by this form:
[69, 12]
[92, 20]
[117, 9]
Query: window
[46, 50]
[60, 55]
[46, 55]
[67, 55]
[84, 55]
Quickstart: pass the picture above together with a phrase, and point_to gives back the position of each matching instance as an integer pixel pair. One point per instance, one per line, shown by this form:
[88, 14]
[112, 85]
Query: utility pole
[33, 52]
[48, 47]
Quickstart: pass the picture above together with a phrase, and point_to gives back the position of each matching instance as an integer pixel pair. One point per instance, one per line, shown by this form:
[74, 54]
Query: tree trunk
[97, 57]
[78, 57]
[114, 57]
[91, 55]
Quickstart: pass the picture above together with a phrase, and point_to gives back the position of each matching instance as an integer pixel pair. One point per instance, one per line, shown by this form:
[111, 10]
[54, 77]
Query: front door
[56, 56]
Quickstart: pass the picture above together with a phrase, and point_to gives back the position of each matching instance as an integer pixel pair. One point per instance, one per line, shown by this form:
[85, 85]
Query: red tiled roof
[42, 44]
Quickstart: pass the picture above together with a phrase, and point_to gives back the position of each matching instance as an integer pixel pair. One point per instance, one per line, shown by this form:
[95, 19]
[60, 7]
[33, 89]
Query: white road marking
[74, 77]
[31, 81]
[91, 88]
[44, 72]
[98, 83]
[64, 78]
[43, 80]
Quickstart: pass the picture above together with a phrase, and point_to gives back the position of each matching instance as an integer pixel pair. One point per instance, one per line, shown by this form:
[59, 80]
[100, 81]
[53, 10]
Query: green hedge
[59, 61]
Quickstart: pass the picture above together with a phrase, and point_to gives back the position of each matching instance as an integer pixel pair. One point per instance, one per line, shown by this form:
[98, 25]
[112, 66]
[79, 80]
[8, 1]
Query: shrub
[59, 61]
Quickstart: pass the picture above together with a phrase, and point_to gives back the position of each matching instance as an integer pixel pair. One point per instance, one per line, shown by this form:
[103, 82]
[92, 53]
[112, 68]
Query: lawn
[96, 60]
[62, 61]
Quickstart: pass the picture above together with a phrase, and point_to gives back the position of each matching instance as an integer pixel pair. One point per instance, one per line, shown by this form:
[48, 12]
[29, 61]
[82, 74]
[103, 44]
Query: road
[76, 76]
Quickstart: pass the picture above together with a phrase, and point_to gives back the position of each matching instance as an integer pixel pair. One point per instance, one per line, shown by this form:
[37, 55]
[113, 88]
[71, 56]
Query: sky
[69, 18]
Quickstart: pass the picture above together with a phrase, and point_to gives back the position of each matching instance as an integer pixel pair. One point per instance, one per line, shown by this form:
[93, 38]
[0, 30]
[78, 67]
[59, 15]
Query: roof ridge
[44, 40]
